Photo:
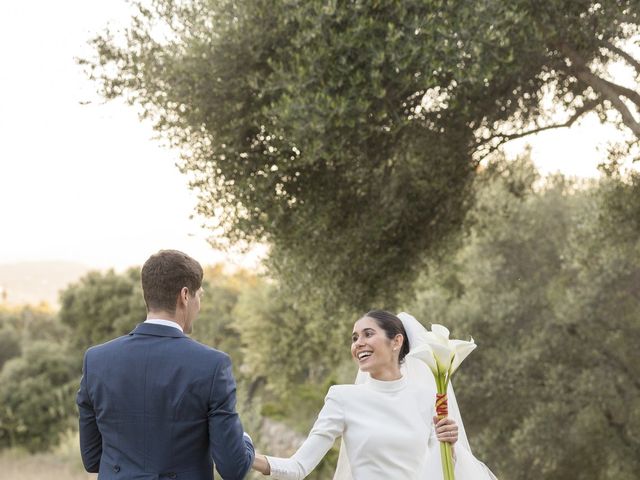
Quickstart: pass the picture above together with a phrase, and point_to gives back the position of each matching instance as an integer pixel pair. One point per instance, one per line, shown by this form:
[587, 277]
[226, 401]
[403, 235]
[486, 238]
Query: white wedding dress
[386, 428]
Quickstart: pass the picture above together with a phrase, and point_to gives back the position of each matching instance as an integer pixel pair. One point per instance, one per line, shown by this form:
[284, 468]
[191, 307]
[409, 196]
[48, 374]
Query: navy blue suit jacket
[156, 404]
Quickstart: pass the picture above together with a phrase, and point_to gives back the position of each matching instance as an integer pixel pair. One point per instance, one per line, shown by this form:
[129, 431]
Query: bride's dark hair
[392, 326]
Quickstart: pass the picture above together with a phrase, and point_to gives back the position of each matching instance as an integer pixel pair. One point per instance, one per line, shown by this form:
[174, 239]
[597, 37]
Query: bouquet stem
[442, 411]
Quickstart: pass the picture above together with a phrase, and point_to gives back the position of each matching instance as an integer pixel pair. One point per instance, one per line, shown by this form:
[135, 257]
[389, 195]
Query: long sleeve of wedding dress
[326, 429]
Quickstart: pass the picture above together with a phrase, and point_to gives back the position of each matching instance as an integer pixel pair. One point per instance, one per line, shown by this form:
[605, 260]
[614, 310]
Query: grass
[61, 463]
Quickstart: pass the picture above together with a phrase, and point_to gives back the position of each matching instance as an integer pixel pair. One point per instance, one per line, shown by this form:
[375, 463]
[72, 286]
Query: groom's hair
[392, 326]
[165, 274]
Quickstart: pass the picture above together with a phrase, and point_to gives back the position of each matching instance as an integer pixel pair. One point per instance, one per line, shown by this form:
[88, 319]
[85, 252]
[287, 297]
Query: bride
[387, 419]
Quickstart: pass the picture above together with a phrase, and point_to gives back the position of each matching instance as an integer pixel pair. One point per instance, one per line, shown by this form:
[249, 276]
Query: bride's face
[371, 349]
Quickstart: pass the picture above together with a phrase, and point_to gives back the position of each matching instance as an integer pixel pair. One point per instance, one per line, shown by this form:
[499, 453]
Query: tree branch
[618, 89]
[580, 66]
[586, 107]
[609, 91]
[621, 53]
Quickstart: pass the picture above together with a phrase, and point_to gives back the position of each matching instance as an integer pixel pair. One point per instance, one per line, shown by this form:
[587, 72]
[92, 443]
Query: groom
[155, 404]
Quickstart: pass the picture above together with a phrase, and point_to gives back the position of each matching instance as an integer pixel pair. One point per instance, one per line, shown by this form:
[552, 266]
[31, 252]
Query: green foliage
[346, 134]
[37, 396]
[38, 378]
[9, 345]
[600, 318]
[546, 283]
[32, 323]
[101, 306]
[216, 324]
[286, 341]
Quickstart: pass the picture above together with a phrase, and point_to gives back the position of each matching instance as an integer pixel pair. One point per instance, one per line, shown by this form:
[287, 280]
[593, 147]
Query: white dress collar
[387, 385]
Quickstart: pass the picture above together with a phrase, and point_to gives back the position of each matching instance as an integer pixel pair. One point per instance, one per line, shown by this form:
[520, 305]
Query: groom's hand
[446, 430]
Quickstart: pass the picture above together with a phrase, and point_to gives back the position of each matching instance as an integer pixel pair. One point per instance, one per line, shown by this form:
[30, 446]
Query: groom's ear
[183, 297]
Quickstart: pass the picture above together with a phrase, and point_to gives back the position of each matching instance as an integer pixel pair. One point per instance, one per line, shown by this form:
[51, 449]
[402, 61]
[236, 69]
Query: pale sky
[88, 183]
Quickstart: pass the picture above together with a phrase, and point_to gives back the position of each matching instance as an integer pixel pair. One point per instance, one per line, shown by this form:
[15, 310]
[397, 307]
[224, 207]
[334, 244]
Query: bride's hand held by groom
[261, 464]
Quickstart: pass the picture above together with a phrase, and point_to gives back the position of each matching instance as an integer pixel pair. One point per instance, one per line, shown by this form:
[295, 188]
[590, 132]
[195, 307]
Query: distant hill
[36, 282]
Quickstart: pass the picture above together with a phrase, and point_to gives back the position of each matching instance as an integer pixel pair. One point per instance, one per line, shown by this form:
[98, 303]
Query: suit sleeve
[328, 426]
[231, 449]
[90, 437]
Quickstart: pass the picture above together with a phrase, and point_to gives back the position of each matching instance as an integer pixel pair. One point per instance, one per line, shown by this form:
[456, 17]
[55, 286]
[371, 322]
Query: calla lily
[462, 350]
[447, 354]
[424, 353]
[440, 330]
[443, 356]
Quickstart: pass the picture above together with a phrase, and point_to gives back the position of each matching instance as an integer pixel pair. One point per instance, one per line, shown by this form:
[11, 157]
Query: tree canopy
[101, 306]
[38, 378]
[347, 134]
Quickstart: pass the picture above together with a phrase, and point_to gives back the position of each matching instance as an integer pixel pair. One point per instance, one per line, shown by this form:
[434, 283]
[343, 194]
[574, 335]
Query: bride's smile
[374, 352]
[364, 354]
